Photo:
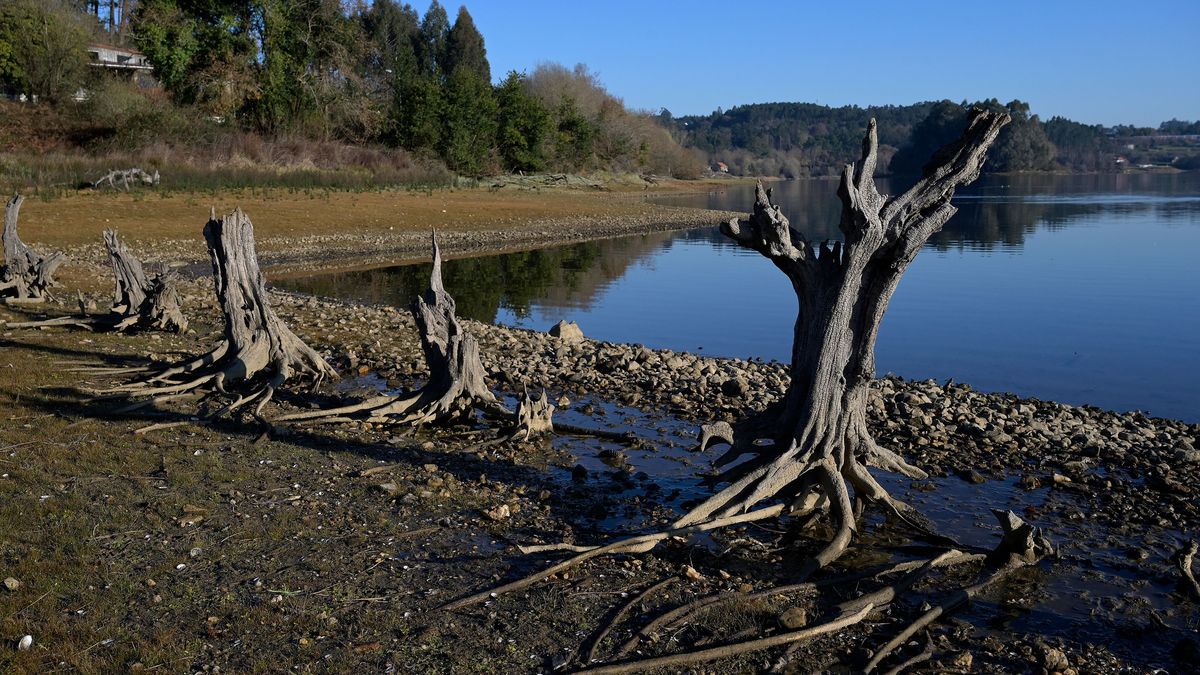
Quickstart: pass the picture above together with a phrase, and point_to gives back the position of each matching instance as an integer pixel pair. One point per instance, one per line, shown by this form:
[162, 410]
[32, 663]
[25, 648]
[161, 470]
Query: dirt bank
[301, 232]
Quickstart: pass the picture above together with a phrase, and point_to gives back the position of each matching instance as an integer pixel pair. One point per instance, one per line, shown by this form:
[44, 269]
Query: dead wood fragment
[126, 176]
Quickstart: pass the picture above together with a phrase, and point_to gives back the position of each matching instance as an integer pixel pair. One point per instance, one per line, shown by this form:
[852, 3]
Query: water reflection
[1076, 288]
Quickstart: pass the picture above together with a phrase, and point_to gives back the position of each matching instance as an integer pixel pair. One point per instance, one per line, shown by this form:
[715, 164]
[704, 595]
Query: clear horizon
[1097, 63]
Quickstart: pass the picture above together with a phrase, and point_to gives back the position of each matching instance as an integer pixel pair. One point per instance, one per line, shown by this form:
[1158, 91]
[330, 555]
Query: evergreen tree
[419, 108]
[944, 124]
[1022, 145]
[392, 31]
[470, 124]
[574, 138]
[432, 38]
[522, 126]
[464, 48]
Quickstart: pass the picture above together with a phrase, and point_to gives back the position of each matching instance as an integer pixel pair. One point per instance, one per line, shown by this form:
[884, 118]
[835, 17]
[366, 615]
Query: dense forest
[805, 139]
[369, 75]
[373, 93]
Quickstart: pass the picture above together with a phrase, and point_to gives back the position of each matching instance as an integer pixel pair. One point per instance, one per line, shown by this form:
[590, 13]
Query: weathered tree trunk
[456, 384]
[822, 444]
[258, 350]
[137, 301]
[27, 275]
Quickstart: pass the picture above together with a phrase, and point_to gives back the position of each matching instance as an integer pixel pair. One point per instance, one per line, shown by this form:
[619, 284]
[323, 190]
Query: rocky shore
[1116, 490]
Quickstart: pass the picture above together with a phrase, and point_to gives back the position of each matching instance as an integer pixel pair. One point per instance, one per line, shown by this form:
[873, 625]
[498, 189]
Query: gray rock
[567, 332]
[793, 618]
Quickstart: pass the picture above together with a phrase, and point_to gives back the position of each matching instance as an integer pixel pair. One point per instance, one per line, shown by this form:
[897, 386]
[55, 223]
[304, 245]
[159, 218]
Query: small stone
[25, 644]
[745, 588]
[431, 468]
[1054, 660]
[735, 387]
[499, 513]
[12, 584]
[391, 488]
[690, 572]
[1061, 479]
[962, 661]
[794, 618]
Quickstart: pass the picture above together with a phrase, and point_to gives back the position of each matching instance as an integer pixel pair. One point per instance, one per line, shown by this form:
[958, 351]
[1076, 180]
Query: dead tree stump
[27, 276]
[456, 385]
[821, 444]
[138, 301]
[258, 352]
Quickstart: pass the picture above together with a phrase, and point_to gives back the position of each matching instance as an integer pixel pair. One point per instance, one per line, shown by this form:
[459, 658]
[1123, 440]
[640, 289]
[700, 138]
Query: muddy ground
[238, 548]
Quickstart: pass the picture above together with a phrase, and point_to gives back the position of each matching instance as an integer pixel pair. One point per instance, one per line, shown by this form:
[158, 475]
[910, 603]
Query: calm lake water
[1081, 289]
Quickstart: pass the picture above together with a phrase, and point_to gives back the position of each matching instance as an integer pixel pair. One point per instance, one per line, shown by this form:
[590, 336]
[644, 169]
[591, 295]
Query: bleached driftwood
[127, 176]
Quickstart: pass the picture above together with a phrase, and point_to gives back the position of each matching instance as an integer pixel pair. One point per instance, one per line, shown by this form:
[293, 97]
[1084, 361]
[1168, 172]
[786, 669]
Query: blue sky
[1095, 62]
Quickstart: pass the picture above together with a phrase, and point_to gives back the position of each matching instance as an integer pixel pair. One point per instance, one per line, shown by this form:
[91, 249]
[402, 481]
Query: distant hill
[794, 140]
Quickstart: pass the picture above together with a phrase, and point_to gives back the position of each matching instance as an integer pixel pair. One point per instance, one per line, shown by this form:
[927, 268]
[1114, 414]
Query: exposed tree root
[820, 447]
[1021, 546]
[258, 354]
[684, 613]
[593, 644]
[638, 544]
[1183, 561]
[456, 385]
[738, 648]
[922, 657]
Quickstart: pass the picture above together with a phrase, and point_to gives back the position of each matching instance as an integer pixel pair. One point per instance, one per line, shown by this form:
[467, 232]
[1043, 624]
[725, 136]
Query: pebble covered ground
[218, 548]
